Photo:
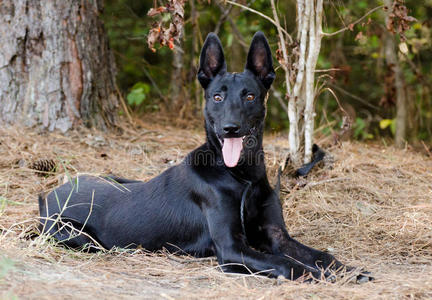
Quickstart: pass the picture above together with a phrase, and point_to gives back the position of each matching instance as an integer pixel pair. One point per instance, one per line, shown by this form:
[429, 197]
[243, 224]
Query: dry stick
[283, 46]
[343, 91]
[327, 70]
[426, 148]
[337, 100]
[193, 260]
[236, 31]
[312, 184]
[222, 19]
[123, 103]
[279, 98]
[262, 15]
[328, 34]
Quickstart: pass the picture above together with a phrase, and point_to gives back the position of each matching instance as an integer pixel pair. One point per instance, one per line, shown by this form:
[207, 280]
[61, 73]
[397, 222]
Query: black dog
[218, 201]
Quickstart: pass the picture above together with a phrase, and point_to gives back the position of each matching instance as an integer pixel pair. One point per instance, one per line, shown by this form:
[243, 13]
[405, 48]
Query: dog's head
[235, 102]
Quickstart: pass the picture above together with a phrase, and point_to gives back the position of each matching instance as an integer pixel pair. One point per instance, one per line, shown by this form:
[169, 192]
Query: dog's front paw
[364, 277]
[356, 275]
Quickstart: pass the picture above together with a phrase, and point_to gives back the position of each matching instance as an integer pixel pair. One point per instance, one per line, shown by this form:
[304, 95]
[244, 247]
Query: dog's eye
[217, 98]
[250, 97]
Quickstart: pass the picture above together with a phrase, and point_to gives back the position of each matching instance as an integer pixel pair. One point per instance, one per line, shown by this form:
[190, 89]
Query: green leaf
[384, 123]
[359, 126]
[229, 40]
[136, 97]
[138, 93]
[142, 85]
[362, 4]
[393, 127]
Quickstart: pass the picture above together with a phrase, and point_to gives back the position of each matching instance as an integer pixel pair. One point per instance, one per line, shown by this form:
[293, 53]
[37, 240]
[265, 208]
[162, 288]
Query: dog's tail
[318, 155]
[43, 210]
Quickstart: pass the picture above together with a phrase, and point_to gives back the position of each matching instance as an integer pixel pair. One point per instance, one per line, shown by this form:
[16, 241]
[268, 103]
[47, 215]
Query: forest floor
[373, 209]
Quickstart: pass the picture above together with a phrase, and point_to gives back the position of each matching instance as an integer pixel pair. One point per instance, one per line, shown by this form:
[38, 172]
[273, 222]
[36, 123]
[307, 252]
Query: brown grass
[373, 210]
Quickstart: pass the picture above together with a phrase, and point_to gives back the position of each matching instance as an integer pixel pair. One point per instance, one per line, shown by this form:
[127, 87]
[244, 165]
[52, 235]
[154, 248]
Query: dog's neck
[251, 166]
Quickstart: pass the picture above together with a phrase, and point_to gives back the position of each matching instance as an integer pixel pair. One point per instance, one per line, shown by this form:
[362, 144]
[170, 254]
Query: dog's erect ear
[212, 60]
[259, 60]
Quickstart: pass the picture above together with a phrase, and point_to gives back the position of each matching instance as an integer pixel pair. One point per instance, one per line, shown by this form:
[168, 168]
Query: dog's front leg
[269, 234]
[235, 255]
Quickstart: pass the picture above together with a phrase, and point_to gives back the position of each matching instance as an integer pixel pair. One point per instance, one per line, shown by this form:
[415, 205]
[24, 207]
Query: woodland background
[96, 99]
[359, 76]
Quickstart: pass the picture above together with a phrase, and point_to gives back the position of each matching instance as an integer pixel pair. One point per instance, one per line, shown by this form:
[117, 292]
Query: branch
[225, 13]
[262, 15]
[328, 34]
[361, 100]
[283, 46]
[327, 70]
[233, 26]
[277, 95]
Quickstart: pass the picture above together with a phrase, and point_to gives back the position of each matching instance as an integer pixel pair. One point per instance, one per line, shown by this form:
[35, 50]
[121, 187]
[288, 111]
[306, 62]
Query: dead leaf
[170, 32]
[359, 36]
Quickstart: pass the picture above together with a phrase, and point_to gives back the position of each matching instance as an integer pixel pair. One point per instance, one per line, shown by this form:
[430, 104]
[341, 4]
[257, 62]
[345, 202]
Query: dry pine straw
[373, 210]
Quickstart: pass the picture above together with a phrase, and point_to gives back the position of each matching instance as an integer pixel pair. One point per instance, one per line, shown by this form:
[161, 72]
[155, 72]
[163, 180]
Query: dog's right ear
[212, 60]
[259, 60]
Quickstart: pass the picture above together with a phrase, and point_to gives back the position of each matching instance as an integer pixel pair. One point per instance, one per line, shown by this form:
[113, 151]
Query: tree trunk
[393, 63]
[301, 91]
[314, 46]
[177, 99]
[56, 69]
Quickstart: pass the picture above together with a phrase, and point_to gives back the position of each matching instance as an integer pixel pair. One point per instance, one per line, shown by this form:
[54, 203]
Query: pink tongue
[231, 150]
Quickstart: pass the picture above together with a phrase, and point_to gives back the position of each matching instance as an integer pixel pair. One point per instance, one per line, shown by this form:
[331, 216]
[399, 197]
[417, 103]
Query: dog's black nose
[231, 128]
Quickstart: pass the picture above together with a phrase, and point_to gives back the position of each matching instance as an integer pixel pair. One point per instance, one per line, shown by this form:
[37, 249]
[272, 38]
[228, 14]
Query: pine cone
[43, 165]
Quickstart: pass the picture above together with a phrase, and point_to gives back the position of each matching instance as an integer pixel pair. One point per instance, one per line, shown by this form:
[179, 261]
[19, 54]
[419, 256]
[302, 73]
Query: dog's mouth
[232, 148]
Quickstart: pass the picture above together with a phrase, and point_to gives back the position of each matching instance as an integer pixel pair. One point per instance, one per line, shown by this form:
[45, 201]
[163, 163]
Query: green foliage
[391, 123]
[360, 130]
[362, 4]
[138, 94]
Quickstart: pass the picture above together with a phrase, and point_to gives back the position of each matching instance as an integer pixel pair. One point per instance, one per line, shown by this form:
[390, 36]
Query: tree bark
[56, 69]
[314, 46]
[177, 78]
[401, 101]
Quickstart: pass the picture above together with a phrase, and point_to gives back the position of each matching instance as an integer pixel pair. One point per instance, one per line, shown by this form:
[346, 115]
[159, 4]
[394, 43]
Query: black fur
[199, 206]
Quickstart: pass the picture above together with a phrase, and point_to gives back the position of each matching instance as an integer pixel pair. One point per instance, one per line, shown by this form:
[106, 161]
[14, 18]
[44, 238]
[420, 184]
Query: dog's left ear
[259, 60]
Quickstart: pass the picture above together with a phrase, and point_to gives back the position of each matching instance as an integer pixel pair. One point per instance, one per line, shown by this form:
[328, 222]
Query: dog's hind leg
[65, 231]
[68, 232]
